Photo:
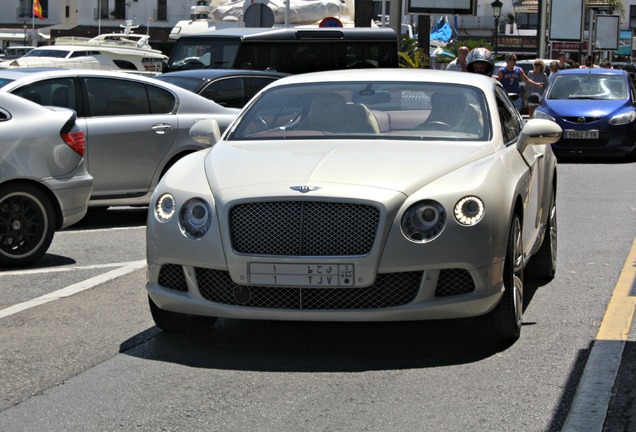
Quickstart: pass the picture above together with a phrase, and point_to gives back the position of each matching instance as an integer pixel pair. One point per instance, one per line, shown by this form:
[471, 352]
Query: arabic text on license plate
[318, 275]
[586, 134]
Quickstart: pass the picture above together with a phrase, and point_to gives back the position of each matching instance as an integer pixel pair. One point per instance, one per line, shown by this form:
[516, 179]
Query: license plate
[310, 275]
[575, 134]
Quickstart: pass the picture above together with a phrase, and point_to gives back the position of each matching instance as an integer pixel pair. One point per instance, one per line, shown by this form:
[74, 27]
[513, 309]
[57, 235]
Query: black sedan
[230, 88]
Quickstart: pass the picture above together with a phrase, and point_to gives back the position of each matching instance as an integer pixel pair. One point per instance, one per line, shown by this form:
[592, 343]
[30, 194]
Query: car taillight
[75, 140]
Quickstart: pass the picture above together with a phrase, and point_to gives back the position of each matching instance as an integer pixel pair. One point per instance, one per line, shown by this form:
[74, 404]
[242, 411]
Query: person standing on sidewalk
[459, 64]
[537, 74]
[511, 75]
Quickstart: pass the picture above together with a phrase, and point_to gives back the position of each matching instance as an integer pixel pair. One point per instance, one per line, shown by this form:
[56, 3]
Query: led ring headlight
[469, 210]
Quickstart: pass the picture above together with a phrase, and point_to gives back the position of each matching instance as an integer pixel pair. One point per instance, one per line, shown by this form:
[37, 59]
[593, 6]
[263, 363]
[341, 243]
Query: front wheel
[542, 265]
[27, 224]
[504, 322]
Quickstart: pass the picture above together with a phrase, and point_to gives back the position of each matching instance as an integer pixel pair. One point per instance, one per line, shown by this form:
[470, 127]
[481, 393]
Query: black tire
[177, 322]
[27, 224]
[503, 324]
[543, 264]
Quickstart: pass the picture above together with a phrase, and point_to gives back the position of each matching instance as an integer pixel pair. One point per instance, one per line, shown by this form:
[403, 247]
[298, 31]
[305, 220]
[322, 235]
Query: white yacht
[126, 52]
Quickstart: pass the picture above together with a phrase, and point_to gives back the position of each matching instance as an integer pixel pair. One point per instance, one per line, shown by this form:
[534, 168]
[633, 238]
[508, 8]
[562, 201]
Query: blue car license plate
[576, 134]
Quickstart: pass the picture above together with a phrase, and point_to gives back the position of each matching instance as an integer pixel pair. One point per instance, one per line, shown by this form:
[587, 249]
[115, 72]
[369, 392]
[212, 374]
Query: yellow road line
[620, 310]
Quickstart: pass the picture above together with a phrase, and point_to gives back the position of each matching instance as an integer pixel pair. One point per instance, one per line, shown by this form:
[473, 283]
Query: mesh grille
[454, 282]
[392, 289]
[303, 228]
[171, 276]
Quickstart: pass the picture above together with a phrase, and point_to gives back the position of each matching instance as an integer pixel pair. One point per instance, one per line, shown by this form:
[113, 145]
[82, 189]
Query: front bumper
[402, 296]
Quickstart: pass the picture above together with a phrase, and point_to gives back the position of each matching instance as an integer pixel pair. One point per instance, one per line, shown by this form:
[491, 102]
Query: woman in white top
[537, 75]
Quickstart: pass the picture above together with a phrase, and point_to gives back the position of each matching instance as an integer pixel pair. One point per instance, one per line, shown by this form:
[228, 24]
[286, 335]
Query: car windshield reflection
[596, 87]
[404, 110]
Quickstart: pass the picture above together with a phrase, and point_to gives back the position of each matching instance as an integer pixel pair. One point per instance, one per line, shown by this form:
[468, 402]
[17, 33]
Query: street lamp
[496, 12]
[25, 27]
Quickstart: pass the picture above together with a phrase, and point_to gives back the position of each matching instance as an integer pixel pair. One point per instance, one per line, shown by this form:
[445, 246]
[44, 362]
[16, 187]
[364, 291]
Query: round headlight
[469, 210]
[424, 221]
[195, 218]
[164, 207]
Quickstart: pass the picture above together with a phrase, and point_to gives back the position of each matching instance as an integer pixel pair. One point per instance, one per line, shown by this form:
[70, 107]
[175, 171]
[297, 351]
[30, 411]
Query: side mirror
[538, 132]
[206, 132]
[534, 98]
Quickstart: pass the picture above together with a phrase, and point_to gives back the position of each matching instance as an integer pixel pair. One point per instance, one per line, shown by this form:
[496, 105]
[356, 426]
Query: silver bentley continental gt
[361, 195]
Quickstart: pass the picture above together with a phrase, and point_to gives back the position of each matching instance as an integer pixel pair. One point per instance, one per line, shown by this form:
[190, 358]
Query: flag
[37, 9]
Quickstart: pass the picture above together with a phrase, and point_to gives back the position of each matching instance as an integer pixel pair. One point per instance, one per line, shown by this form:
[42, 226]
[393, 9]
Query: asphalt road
[87, 357]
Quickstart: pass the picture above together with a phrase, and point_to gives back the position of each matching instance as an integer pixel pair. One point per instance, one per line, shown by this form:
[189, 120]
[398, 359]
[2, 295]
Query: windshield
[47, 53]
[588, 86]
[400, 110]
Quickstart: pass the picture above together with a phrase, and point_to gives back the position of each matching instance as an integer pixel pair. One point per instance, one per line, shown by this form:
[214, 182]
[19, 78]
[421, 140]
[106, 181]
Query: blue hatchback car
[596, 108]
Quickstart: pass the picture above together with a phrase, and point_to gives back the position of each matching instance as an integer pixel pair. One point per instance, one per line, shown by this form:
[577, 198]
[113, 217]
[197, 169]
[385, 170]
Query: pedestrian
[589, 62]
[459, 64]
[562, 63]
[537, 74]
[511, 75]
[553, 69]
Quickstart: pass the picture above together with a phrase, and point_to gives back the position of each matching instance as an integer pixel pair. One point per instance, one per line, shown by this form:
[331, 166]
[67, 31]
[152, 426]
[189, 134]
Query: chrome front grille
[303, 228]
[392, 289]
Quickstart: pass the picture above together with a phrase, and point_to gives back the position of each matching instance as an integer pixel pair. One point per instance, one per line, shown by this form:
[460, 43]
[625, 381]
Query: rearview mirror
[538, 132]
[206, 132]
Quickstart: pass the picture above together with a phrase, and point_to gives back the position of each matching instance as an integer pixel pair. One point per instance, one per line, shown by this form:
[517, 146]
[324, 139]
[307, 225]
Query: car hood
[403, 166]
[584, 107]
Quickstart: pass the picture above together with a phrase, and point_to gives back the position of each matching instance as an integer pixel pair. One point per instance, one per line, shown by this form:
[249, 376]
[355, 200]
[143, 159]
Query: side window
[254, 85]
[4, 116]
[56, 92]
[161, 101]
[109, 97]
[228, 92]
[511, 123]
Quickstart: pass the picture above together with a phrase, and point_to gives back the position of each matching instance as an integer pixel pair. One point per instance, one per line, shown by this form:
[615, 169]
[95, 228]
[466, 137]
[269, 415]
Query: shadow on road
[284, 346]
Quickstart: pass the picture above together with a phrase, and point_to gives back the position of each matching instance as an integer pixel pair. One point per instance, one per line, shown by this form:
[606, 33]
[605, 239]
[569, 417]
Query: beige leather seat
[329, 112]
[326, 113]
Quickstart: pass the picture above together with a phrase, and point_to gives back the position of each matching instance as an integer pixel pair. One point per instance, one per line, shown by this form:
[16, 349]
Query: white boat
[126, 52]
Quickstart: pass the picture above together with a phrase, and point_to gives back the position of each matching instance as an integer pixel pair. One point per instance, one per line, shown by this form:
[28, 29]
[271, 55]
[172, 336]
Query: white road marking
[62, 269]
[75, 288]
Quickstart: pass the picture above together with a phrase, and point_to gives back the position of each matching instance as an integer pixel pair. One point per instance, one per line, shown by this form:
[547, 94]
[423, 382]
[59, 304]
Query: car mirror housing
[206, 132]
[538, 132]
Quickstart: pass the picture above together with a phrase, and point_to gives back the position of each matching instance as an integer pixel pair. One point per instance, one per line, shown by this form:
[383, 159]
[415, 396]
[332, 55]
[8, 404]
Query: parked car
[629, 67]
[136, 127]
[365, 195]
[14, 52]
[595, 108]
[44, 184]
[228, 87]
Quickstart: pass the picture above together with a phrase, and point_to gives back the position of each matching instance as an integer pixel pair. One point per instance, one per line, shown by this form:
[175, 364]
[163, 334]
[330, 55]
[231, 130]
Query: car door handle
[162, 128]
